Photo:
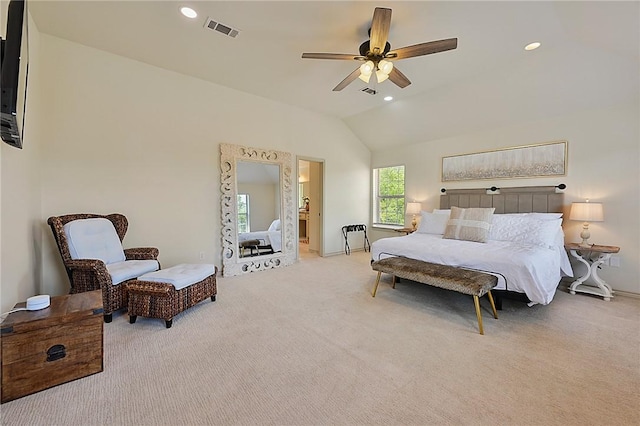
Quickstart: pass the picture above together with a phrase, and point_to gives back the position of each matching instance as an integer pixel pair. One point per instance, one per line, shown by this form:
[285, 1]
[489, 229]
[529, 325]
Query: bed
[270, 240]
[523, 245]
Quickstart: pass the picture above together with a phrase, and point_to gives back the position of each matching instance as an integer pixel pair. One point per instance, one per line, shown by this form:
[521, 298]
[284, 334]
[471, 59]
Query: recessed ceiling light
[388, 98]
[532, 46]
[188, 12]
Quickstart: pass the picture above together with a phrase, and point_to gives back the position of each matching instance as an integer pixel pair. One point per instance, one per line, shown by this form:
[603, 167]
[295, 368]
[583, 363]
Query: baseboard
[338, 253]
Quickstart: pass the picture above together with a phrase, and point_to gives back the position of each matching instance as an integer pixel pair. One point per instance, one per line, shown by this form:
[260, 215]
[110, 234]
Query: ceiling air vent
[221, 28]
[369, 91]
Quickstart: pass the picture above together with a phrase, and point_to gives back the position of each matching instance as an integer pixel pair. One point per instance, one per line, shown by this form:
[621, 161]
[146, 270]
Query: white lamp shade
[414, 208]
[367, 68]
[587, 212]
[364, 77]
[381, 76]
[385, 66]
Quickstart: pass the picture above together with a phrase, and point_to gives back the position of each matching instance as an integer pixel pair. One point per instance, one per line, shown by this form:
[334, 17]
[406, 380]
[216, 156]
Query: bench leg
[476, 301]
[393, 280]
[375, 289]
[493, 305]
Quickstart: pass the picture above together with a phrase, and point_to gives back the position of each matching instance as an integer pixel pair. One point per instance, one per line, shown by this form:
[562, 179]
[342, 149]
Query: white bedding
[520, 267]
[272, 238]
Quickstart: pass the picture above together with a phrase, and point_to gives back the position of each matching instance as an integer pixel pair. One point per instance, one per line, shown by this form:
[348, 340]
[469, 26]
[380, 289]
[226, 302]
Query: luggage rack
[355, 228]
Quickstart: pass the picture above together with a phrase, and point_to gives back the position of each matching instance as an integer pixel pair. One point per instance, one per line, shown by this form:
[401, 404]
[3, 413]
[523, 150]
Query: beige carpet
[308, 345]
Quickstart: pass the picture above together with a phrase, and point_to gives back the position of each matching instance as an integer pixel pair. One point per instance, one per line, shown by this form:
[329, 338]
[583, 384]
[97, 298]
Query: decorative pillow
[275, 225]
[470, 224]
[442, 211]
[526, 229]
[94, 238]
[432, 223]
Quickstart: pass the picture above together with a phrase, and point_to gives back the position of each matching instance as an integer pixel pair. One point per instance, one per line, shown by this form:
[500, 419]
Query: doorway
[310, 207]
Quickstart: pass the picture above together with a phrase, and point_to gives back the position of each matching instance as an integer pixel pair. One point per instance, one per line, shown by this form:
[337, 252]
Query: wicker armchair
[92, 274]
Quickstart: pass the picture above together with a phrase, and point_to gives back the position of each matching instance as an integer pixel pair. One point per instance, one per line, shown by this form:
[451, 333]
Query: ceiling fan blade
[423, 49]
[398, 78]
[344, 83]
[341, 56]
[379, 30]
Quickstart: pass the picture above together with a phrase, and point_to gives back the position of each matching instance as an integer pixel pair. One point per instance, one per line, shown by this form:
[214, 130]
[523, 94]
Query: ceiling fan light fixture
[381, 76]
[377, 55]
[385, 66]
[364, 77]
[367, 68]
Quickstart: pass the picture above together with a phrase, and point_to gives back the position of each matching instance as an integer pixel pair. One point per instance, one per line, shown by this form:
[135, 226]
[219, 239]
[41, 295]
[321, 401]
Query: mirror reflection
[258, 209]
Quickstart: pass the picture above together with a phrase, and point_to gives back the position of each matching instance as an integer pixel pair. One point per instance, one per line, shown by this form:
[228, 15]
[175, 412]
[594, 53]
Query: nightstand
[406, 231]
[586, 256]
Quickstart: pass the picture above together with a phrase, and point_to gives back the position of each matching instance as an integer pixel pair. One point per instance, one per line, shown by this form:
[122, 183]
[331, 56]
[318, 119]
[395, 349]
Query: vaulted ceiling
[589, 58]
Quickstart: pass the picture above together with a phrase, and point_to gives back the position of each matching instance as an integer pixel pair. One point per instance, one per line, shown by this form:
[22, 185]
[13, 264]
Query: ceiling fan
[377, 55]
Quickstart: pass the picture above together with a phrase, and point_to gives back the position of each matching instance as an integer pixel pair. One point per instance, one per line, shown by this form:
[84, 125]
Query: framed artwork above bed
[540, 160]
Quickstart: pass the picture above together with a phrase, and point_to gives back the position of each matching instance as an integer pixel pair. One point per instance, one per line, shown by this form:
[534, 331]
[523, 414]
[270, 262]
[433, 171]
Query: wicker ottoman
[165, 293]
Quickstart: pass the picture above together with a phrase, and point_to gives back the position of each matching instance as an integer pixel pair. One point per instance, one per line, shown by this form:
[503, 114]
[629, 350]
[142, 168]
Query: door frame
[321, 162]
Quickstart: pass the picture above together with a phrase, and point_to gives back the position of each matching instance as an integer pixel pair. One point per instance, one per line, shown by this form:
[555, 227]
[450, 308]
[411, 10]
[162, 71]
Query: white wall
[264, 204]
[20, 224]
[123, 136]
[603, 165]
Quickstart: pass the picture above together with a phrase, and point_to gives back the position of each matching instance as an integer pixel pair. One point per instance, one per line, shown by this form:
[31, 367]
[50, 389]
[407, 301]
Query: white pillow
[526, 229]
[545, 216]
[275, 225]
[94, 238]
[442, 211]
[432, 223]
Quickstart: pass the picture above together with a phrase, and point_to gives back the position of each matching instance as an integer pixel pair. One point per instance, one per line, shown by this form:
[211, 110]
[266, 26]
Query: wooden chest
[55, 345]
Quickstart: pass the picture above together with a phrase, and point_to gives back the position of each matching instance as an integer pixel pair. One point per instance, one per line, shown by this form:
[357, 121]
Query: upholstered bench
[165, 293]
[464, 281]
[252, 244]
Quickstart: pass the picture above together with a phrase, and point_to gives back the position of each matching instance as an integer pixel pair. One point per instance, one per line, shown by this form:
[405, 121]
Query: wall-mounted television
[13, 74]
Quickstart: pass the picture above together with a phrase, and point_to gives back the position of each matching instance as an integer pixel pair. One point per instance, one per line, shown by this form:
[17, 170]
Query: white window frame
[248, 214]
[377, 198]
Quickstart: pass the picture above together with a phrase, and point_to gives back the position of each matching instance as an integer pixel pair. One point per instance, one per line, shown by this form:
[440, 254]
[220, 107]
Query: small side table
[585, 255]
[406, 231]
[51, 346]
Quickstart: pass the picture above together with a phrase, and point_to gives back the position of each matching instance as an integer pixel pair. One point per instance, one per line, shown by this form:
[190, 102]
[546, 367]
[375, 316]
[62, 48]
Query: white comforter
[272, 238]
[523, 268]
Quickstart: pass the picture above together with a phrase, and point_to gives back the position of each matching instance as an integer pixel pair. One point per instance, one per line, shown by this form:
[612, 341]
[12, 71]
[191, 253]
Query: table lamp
[586, 212]
[413, 209]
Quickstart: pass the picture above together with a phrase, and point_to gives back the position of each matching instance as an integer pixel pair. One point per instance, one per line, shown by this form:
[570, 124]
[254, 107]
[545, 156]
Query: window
[243, 213]
[388, 198]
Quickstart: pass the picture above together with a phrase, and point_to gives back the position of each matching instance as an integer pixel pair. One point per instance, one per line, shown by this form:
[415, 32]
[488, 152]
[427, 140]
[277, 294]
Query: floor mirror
[259, 212]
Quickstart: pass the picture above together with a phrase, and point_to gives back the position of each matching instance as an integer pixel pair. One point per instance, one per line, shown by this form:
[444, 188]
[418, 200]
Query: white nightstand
[585, 255]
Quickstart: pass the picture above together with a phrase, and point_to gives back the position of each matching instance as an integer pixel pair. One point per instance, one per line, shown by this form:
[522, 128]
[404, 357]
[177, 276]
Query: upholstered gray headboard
[540, 199]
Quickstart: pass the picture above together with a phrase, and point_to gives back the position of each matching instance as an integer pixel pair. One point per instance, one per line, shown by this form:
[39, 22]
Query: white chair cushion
[181, 276]
[129, 269]
[94, 238]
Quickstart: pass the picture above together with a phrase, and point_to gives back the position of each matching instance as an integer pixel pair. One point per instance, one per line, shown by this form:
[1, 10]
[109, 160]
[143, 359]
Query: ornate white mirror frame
[232, 263]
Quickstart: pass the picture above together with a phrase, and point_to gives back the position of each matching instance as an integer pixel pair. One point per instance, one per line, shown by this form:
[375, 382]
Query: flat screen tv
[13, 79]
